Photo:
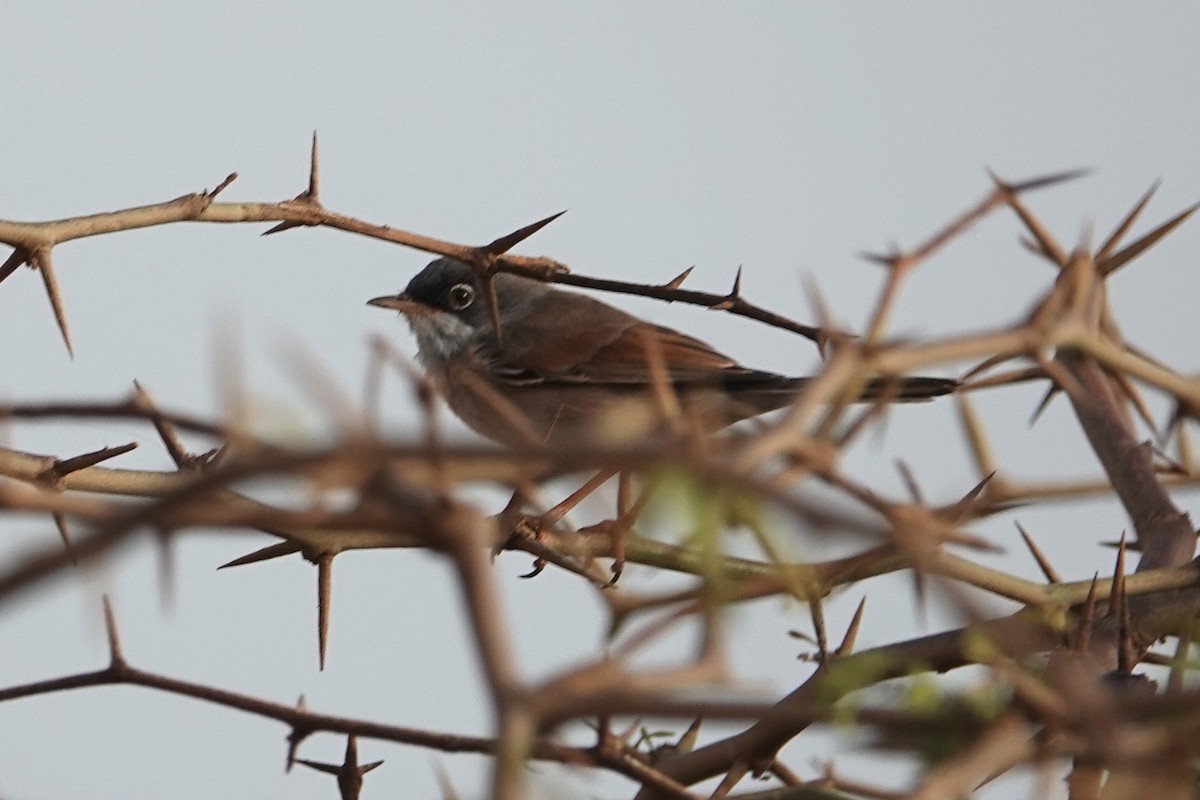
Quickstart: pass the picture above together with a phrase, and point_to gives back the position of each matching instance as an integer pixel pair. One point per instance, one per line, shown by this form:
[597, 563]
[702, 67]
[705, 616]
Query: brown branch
[121, 673]
[1164, 533]
[406, 498]
[831, 681]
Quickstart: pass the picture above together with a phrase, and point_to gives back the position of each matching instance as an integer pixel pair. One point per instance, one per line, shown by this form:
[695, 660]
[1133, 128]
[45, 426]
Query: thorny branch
[407, 495]
[33, 242]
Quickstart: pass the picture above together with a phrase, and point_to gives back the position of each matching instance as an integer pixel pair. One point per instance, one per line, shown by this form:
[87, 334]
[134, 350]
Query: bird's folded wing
[625, 353]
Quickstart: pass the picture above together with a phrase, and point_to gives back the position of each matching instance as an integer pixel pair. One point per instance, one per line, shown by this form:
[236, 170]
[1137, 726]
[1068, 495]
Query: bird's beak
[399, 302]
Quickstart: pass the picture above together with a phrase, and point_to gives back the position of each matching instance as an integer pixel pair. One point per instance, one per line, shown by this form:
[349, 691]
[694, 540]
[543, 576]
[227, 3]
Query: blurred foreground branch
[1085, 705]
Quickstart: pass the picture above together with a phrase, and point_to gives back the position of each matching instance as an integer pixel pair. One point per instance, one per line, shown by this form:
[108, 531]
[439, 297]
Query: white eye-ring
[460, 296]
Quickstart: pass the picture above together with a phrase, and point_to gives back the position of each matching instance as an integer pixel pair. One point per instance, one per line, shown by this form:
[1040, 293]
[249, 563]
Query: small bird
[568, 369]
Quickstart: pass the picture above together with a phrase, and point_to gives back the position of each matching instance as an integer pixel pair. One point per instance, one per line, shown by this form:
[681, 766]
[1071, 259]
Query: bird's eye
[461, 295]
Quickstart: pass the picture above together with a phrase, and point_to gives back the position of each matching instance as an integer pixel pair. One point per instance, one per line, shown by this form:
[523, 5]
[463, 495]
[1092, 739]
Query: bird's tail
[766, 390]
[750, 393]
[907, 389]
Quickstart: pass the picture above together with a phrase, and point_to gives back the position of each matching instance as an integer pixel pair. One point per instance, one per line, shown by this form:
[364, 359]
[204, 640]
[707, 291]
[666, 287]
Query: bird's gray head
[447, 311]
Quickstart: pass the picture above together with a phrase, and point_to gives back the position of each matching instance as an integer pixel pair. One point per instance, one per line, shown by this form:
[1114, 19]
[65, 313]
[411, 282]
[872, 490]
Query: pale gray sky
[783, 137]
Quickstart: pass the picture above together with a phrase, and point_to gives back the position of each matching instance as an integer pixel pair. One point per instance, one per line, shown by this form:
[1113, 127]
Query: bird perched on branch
[568, 369]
